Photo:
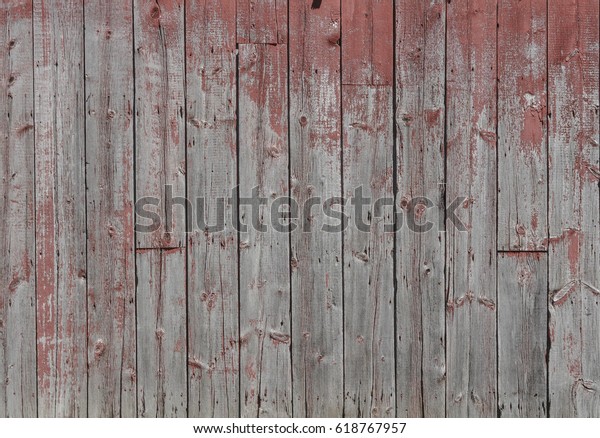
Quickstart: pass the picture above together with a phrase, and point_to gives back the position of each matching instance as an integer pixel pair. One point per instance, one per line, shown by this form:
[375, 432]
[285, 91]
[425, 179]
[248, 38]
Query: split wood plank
[522, 125]
[315, 163]
[161, 333]
[420, 317]
[213, 356]
[574, 210]
[60, 218]
[262, 21]
[368, 42]
[368, 163]
[110, 215]
[471, 179]
[265, 323]
[522, 334]
[160, 125]
[17, 221]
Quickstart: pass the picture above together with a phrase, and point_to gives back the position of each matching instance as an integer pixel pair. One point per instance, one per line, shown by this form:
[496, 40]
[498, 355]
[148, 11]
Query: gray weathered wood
[213, 357]
[265, 324]
[60, 208]
[574, 209]
[110, 216]
[262, 21]
[369, 362]
[471, 173]
[522, 334]
[315, 126]
[159, 118]
[420, 366]
[161, 333]
[17, 226]
[522, 125]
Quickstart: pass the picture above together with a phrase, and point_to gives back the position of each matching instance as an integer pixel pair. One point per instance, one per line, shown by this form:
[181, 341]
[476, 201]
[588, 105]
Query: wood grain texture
[60, 219]
[17, 217]
[262, 21]
[574, 209]
[265, 325]
[368, 45]
[471, 178]
[315, 163]
[110, 197]
[159, 118]
[522, 125]
[161, 333]
[369, 362]
[420, 110]
[522, 334]
[213, 356]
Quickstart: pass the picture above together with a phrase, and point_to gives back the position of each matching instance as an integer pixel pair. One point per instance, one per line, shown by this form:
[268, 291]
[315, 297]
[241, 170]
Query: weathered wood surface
[522, 329]
[471, 173]
[480, 118]
[60, 220]
[574, 209]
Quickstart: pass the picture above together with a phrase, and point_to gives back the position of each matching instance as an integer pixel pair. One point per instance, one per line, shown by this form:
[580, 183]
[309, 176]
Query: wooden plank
[161, 333]
[315, 126]
[369, 362]
[368, 42]
[110, 221]
[522, 125]
[213, 356]
[522, 334]
[262, 21]
[160, 124]
[265, 324]
[17, 228]
[60, 218]
[574, 210]
[420, 361]
[471, 174]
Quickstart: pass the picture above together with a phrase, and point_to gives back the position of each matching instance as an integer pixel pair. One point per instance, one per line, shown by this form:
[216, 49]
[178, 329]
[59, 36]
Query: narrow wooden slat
[471, 174]
[522, 127]
[368, 42]
[522, 334]
[369, 363]
[60, 208]
[161, 333]
[160, 124]
[17, 228]
[420, 361]
[265, 330]
[315, 125]
[574, 210]
[213, 356]
[110, 221]
[262, 21]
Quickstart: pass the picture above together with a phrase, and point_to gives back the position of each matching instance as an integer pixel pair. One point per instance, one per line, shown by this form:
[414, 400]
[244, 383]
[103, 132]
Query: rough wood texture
[17, 221]
[159, 117]
[265, 324]
[110, 219]
[522, 125]
[369, 363]
[420, 31]
[471, 174]
[262, 21]
[60, 218]
[161, 333]
[213, 357]
[315, 154]
[522, 334]
[574, 209]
